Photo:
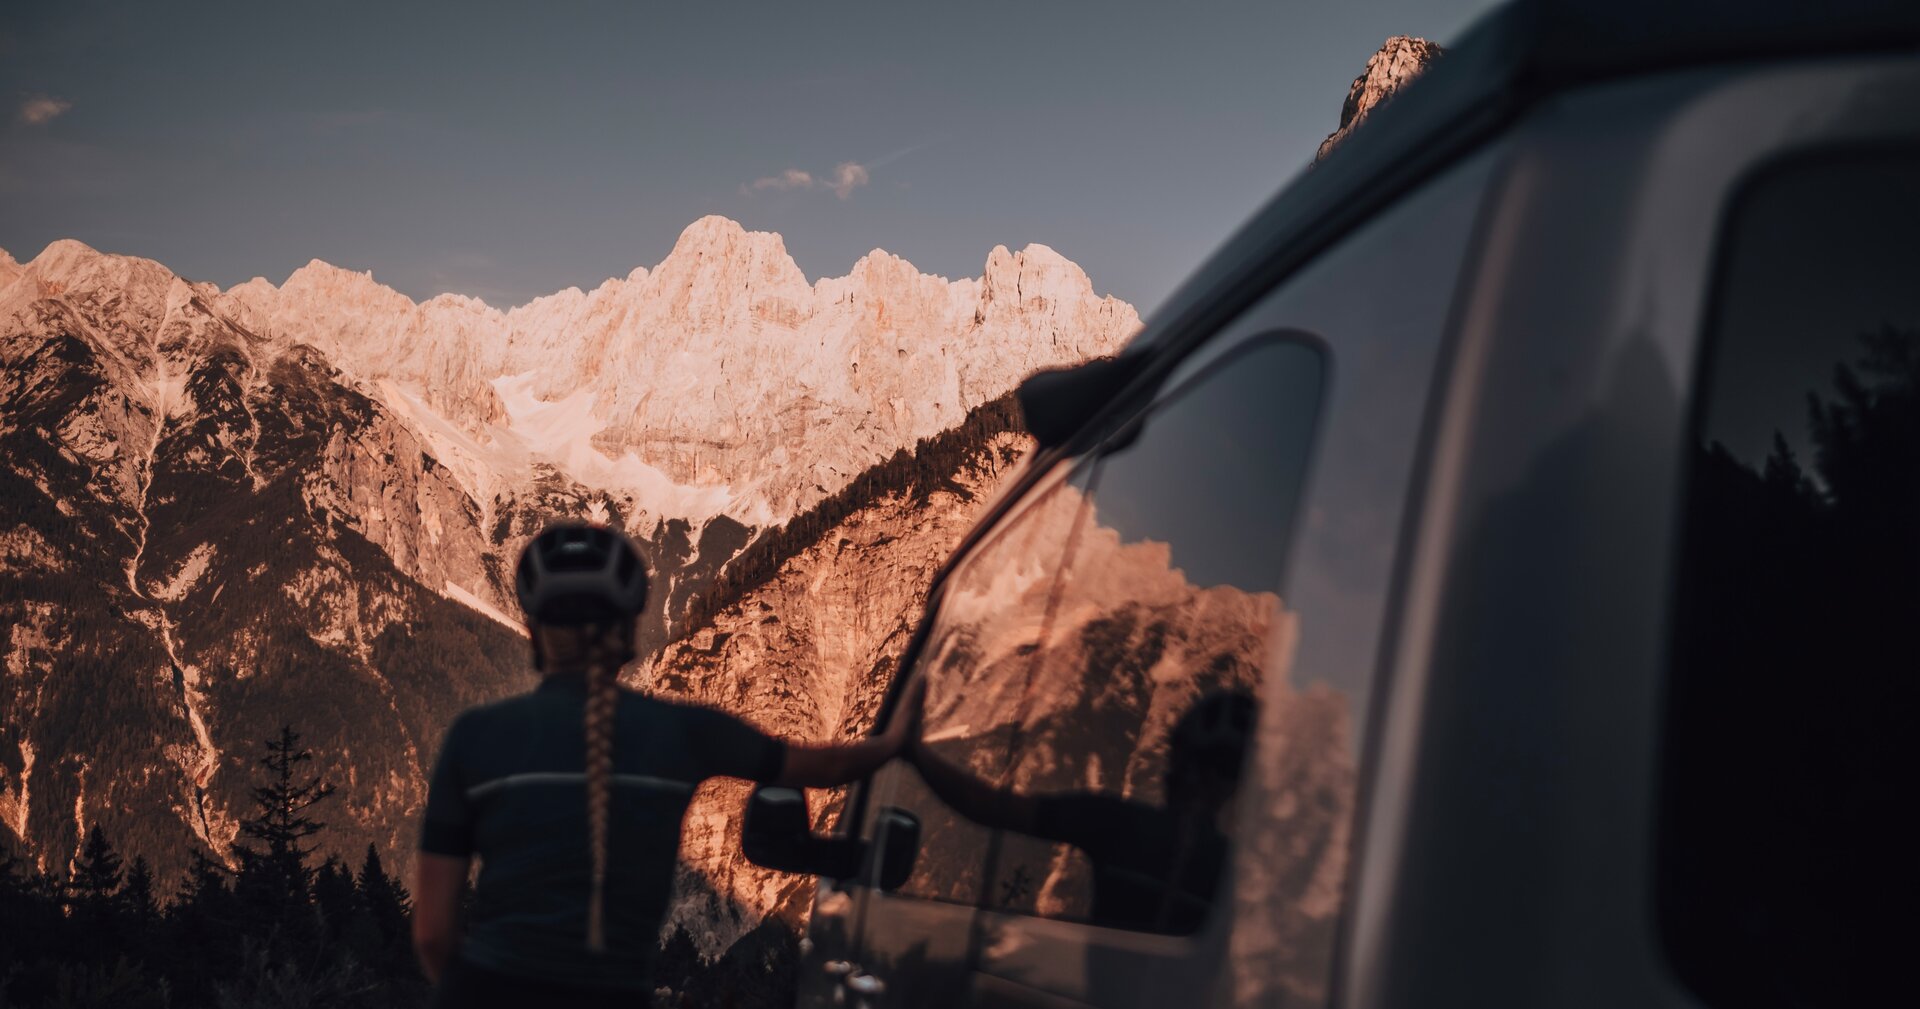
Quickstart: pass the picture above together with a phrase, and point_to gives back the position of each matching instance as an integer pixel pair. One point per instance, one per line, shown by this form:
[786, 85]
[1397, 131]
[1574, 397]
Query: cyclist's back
[572, 797]
[509, 789]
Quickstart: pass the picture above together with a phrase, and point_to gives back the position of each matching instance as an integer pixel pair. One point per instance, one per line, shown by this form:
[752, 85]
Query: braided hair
[603, 702]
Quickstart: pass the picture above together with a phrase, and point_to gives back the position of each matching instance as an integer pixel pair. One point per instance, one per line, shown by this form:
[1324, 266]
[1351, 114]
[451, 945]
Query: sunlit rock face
[1400, 59]
[300, 503]
[722, 376]
[809, 654]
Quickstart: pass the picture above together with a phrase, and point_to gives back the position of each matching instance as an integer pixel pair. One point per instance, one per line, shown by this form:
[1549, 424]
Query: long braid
[603, 697]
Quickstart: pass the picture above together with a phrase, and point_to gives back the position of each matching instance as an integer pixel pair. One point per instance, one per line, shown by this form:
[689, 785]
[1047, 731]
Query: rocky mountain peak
[1399, 60]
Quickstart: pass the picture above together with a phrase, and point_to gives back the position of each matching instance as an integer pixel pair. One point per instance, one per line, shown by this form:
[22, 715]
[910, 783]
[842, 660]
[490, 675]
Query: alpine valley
[225, 511]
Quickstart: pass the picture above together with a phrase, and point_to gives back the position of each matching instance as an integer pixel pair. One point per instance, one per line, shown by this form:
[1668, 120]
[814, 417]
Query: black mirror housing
[899, 846]
[1058, 402]
[778, 834]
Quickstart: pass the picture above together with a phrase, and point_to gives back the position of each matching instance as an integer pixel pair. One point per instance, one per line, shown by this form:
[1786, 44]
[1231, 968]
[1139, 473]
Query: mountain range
[225, 510]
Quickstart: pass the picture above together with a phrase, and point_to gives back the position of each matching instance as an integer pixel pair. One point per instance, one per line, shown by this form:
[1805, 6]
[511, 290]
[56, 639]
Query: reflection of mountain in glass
[1780, 817]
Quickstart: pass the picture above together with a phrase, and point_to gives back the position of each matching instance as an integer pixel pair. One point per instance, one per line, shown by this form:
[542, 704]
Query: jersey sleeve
[447, 828]
[725, 746]
[1096, 823]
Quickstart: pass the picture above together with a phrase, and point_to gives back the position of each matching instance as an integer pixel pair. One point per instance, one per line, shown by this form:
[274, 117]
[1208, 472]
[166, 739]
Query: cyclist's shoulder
[487, 716]
[688, 714]
[650, 705]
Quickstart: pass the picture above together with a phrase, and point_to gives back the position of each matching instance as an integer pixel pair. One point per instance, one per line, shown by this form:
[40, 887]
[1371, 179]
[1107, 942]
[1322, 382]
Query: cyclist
[1154, 867]
[572, 797]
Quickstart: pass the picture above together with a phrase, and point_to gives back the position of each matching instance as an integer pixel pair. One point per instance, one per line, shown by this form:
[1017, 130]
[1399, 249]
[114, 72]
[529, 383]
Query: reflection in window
[1784, 835]
[991, 615]
[1140, 701]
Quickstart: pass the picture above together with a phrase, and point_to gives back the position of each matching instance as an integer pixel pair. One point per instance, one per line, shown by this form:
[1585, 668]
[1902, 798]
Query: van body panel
[1533, 633]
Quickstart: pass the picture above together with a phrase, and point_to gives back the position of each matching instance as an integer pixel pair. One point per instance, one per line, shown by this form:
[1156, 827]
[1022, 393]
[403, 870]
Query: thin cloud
[41, 110]
[892, 156]
[792, 178]
[847, 176]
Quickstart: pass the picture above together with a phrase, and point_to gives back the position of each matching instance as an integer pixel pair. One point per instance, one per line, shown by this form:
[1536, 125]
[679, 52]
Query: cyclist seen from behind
[572, 796]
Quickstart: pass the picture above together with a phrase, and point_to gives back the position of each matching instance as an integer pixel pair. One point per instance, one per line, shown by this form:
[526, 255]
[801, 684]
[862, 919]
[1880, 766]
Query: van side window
[1143, 694]
[991, 614]
[1786, 852]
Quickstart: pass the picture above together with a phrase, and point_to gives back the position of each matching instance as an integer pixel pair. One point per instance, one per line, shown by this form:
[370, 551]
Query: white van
[1526, 503]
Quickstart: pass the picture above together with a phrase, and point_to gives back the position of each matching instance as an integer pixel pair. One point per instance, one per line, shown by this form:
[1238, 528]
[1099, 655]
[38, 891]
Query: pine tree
[137, 895]
[334, 895]
[282, 822]
[388, 905]
[94, 891]
[274, 886]
[97, 874]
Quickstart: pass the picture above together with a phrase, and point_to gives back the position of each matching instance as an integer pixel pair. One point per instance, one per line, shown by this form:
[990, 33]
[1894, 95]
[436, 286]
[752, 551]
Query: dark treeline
[280, 927]
[931, 465]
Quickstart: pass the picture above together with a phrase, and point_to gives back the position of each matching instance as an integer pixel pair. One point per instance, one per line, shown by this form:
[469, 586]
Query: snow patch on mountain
[456, 592]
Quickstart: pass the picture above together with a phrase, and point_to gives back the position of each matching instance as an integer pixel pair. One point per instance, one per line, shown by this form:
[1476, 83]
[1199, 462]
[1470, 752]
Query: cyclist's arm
[437, 880]
[972, 798]
[825, 765]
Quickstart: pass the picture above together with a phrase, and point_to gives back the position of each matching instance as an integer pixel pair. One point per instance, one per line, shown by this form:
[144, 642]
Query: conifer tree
[282, 822]
[334, 895]
[137, 896]
[387, 904]
[97, 874]
[95, 889]
[274, 886]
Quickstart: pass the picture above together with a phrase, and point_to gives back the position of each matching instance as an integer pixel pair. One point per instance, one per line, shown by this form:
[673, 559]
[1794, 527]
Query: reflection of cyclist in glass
[572, 797]
[1153, 868]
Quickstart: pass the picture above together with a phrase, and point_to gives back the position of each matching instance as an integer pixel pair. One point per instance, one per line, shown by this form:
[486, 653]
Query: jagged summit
[720, 374]
[1400, 59]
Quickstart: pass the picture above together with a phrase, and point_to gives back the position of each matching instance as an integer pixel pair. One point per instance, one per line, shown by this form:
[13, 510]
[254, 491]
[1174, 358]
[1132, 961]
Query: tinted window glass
[1142, 695]
[1381, 299]
[1786, 861]
[991, 616]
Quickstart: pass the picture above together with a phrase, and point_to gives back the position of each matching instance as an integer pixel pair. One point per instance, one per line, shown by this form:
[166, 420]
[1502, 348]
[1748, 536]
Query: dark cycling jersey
[509, 787]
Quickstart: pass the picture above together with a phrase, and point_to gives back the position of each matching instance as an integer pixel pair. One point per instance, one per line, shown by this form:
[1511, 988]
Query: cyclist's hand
[903, 730]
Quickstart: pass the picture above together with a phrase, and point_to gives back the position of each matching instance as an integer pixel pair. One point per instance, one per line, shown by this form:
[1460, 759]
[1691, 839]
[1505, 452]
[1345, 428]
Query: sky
[509, 150]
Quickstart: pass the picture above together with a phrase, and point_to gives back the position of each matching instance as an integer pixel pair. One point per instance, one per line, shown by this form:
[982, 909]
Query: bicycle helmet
[1211, 738]
[574, 573]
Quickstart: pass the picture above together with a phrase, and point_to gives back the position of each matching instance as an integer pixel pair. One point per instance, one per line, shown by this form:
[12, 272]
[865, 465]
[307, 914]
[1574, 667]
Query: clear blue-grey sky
[507, 150]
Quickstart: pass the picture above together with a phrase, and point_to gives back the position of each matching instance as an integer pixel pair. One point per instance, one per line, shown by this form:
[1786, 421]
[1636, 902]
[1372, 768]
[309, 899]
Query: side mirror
[778, 834]
[899, 833]
[1058, 402]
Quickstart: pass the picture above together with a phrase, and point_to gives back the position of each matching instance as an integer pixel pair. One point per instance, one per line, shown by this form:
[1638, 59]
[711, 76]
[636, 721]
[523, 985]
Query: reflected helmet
[1212, 737]
[574, 573]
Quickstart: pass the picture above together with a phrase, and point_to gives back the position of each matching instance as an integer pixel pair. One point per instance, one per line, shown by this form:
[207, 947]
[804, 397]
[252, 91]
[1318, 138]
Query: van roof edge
[1507, 61]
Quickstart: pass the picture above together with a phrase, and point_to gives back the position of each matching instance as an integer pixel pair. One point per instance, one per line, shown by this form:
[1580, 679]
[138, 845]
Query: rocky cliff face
[227, 510]
[1400, 59]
